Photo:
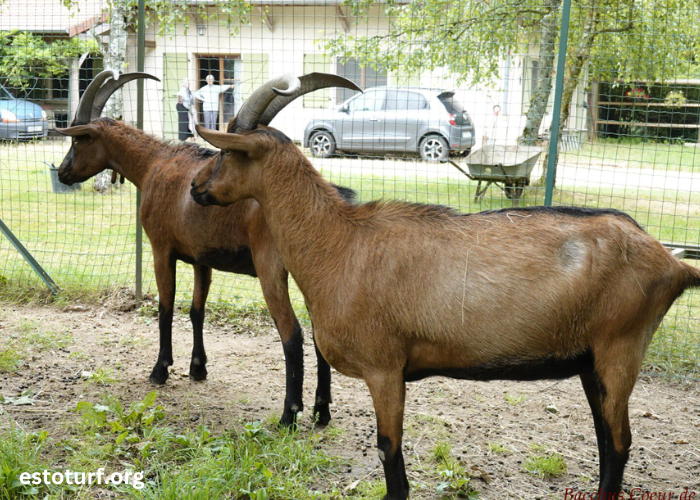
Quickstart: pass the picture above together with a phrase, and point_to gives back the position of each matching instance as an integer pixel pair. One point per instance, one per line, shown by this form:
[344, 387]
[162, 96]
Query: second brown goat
[234, 239]
[399, 291]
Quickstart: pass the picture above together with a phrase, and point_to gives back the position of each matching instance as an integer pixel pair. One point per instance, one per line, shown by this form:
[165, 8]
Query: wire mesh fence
[471, 82]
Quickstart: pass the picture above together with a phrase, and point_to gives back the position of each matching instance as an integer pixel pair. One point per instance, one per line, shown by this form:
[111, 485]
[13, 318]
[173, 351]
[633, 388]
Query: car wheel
[434, 148]
[322, 144]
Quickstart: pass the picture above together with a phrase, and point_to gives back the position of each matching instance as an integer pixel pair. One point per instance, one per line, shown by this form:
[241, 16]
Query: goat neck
[131, 152]
[297, 203]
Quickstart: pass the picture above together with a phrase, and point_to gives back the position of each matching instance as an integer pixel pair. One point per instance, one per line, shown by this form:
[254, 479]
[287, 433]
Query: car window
[370, 101]
[455, 108]
[401, 100]
[451, 103]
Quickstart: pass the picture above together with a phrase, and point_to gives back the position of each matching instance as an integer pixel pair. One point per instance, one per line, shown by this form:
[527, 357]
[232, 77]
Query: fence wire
[470, 81]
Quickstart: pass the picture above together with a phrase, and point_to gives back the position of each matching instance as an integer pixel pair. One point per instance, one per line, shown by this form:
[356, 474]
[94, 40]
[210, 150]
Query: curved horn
[309, 83]
[83, 114]
[110, 88]
[249, 114]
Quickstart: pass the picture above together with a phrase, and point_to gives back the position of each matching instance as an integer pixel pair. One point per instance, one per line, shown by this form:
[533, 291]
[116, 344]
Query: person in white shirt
[185, 112]
[209, 95]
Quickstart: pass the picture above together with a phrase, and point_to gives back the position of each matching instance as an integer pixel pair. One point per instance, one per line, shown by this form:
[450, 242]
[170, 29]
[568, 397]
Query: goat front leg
[322, 411]
[388, 390]
[273, 281]
[202, 281]
[165, 279]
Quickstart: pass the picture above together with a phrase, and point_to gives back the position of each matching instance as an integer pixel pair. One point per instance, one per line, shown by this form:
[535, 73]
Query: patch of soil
[493, 428]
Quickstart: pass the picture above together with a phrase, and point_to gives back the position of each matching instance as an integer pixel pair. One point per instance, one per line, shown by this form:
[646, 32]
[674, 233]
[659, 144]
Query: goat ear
[78, 130]
[248, 144]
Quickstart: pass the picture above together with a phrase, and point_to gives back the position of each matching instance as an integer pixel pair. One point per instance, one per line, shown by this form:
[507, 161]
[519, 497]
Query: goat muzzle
[202, 198]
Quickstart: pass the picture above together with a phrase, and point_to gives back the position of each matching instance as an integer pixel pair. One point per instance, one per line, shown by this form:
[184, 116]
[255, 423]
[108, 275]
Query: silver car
[431, 122]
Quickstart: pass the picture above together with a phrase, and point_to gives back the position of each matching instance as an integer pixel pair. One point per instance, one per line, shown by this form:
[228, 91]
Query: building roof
[51, 16]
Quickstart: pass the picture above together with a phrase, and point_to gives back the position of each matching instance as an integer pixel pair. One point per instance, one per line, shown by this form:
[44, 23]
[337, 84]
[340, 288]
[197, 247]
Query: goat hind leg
[202, 281]
[165, 279]
[617, 381]
[594, 394]
[388, 392]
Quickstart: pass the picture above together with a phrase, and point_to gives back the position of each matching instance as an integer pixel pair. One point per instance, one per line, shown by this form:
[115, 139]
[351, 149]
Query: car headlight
[8, 116]
[43, 116]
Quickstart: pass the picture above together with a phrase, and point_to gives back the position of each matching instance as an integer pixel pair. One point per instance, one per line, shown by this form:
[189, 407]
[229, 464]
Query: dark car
[21, 119]
[430, 122]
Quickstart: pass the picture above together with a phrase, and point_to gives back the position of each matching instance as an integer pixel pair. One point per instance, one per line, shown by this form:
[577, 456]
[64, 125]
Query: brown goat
[399, 291]
[234, 239]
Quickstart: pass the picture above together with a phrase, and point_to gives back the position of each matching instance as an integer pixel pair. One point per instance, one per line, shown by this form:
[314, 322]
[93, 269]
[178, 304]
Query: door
[225, 70]
[405, 110]
[358, 123]
[174, 71]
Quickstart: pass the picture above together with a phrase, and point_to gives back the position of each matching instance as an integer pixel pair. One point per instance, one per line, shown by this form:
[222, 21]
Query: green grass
[251, 461]
[628, 154]
[546, 465]
[514, 399]
[86, 240]
[24, 338]
[498, 449]
[454, 479]
[102, 376]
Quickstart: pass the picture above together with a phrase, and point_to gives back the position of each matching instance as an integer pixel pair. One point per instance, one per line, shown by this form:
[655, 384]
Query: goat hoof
[398, 497]
[159, 375]
[289, 418]
[322, 415]
[198, 373]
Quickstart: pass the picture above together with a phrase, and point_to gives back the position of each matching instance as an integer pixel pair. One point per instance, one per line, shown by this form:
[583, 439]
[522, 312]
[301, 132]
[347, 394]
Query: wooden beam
[645, 124]
[650, 104]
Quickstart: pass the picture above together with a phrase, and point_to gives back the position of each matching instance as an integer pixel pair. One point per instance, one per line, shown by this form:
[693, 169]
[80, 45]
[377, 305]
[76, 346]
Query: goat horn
[309, 83]
[249, 114]
[110, 88]
[83, 114]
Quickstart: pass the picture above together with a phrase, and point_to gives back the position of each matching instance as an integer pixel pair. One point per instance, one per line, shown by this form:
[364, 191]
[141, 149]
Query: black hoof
[322, 414]
[289, 417]
[198, 372]
[402, 496]
[159, 375]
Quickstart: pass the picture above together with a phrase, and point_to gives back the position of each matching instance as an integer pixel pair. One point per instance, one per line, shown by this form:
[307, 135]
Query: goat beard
[114, 178]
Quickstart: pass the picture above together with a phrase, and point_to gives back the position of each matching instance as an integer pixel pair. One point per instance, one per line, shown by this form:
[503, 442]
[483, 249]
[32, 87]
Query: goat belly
[511, 368]
[239, 261]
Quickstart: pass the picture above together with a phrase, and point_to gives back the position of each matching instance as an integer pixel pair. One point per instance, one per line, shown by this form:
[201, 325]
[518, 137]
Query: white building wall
[294, 33]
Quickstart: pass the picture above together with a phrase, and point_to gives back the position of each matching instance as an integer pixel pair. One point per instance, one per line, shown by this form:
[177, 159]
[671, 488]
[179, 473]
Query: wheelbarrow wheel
[514, 190]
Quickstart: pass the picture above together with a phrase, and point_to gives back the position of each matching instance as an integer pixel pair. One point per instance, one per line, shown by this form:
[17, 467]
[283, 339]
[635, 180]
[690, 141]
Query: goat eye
[227, 153]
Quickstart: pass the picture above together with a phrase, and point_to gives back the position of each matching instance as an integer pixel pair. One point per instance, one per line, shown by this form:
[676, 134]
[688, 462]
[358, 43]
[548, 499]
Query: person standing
[209, 95]
[185, 111]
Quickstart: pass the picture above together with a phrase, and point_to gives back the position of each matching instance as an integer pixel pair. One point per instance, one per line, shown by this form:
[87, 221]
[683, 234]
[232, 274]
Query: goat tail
[692, 275]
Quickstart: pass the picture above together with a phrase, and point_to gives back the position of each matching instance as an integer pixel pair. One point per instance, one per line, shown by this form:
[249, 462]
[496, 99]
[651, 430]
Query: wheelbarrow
[508, 167]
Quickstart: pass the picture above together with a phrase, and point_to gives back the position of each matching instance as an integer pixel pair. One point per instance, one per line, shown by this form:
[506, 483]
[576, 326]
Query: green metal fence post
[29, 258]
[140, 63]
[556, 112]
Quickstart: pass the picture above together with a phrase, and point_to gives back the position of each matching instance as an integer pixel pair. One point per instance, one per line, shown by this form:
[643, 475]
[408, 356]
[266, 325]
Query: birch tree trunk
[540, 97]
[577, 62]
[114, 58]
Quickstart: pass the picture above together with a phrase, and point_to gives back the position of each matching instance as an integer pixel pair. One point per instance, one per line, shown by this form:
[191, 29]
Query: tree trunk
[578, 61]
[114, 58]
[540, 97]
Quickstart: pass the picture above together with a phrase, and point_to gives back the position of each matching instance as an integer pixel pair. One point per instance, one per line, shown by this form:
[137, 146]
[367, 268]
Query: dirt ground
[492, 427]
